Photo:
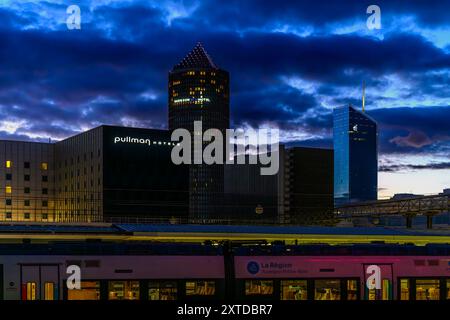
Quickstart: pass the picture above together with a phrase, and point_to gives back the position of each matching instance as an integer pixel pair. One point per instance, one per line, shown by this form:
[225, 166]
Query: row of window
[66, 162]
[26, 202]
[121, 290]
[72, 174]
[81, 216]
[27, 165]
[27, 190]
[338, 289]
[29, 290]
[26, 216]
[26, 177]
[323, 289]
[44, 165]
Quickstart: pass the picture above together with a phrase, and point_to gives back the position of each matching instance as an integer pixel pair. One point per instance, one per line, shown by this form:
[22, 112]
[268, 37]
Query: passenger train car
[195, 272]
[342, 273]
[111, 272]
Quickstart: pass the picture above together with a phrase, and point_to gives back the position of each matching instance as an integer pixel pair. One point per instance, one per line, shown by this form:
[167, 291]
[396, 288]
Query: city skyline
[60, 82]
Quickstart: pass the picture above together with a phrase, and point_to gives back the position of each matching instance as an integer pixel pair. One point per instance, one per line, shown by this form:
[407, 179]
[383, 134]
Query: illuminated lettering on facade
[146, 141]
[195, 100]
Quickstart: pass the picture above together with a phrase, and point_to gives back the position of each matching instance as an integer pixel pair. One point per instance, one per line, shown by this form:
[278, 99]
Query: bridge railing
[421, 205]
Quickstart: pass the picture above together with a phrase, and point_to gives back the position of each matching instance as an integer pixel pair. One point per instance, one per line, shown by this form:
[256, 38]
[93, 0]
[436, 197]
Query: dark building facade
[102, 174]
[355, 140]
[300, 193]
[308, 186]
[116, 172]
[251, 197]
[139, 177]
[199, 91]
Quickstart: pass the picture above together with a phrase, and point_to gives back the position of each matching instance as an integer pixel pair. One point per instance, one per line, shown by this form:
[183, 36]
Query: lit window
[8, 189]
[29, 291]
[123, 290]
[327, 289]
[44, 166]
[50, 291]
[352, 290]
[90, 290]
[258, 287]
[162, 290]
[200, 288]
[8, 163]
[448, 289]
[294, 290]
[404, 289]
[427, 289]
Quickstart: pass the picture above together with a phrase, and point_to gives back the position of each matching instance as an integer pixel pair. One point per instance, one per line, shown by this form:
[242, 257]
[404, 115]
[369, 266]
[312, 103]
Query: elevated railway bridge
[409, 208]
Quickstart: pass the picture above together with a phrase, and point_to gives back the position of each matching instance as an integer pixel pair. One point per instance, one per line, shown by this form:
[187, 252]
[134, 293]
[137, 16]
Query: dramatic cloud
[290, 65]
[414, 139]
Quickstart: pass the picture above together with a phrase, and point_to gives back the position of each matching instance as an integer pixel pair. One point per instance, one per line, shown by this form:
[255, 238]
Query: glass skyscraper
[355, 140]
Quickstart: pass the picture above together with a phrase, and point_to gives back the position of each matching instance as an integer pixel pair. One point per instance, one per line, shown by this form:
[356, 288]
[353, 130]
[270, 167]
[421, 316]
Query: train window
[90, 290]
[123, 290]
[29, 291]
[258, 287]
[162, 290]
[327, 289]
[294, 290]
[49, 291]
[448, 289]
[200, 288]
[352, 290]
[427, 289]
[404, 289]
[385, 293]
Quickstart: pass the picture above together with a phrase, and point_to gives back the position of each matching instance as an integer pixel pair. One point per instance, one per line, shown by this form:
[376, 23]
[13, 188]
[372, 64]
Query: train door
[386, 291]
[39, 282]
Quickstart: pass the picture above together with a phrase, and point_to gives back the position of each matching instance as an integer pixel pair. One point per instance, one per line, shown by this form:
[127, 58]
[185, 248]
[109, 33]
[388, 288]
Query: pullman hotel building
[99, 175]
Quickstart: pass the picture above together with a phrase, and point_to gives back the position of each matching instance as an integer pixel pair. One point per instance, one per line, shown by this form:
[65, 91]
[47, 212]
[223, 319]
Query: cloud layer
[290, 65]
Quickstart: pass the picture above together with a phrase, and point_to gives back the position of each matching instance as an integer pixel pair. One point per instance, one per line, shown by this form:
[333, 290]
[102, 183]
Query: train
[222, 271]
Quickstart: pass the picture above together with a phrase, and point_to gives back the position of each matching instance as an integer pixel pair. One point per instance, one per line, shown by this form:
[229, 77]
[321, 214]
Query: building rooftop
[197, 58]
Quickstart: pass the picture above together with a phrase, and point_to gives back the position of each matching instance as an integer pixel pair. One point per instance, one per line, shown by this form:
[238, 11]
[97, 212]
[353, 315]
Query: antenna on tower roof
[364, 97]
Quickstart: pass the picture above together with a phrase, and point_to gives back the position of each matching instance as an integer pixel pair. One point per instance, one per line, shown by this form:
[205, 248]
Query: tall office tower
[355, 140]
[199, 91]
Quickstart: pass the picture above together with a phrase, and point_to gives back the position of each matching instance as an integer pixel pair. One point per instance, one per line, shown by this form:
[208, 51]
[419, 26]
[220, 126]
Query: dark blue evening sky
[291, 63]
